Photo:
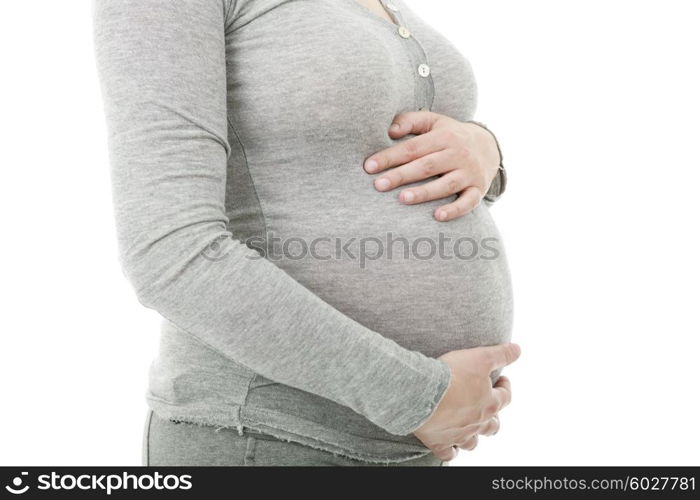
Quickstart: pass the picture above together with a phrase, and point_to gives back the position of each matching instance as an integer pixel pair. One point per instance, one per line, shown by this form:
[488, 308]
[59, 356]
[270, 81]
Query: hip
[168, 442]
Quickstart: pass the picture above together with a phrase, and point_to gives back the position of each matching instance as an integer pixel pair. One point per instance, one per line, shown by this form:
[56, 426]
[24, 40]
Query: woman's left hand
[464, 155]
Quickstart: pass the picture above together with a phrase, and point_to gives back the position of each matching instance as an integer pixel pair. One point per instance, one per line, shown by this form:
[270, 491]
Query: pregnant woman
[297, 189]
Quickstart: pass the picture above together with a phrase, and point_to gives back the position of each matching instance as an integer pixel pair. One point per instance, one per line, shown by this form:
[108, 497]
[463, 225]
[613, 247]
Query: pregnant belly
[431, 287]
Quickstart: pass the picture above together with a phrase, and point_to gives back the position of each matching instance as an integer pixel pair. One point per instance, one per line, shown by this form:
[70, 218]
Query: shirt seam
[250, 176]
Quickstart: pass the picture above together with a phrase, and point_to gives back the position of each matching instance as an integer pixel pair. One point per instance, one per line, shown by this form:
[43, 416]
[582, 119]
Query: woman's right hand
[471, 401]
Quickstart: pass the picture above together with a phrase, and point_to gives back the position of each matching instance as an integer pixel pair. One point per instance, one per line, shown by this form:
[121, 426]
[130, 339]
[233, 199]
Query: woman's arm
[162, 71]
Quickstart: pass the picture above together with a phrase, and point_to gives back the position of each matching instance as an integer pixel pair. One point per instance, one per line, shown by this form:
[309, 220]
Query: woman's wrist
[498, 184]
[426, 405]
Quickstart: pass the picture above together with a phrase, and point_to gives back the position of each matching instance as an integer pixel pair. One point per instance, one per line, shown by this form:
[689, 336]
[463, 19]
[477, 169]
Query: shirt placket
[424, 85]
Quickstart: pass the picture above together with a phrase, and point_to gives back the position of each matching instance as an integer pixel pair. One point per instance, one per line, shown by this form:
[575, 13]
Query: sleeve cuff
[498, 185]
[425, 404]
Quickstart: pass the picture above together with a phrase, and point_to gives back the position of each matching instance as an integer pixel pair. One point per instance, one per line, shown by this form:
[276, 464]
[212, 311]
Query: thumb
[412, 122]
[500, 355]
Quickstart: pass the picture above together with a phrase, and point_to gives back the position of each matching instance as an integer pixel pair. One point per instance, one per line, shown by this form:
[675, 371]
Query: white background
[596, 106]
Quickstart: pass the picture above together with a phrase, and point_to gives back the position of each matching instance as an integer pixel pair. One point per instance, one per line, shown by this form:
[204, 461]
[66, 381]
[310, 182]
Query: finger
[502, 381]
[413, 122]
[445, 454]
[491, 427]
[465, 203]
[460, 434]
[500, 355]
[404, 152]
[446, 185]
[470, 444]
[503, 395]
[424, 167]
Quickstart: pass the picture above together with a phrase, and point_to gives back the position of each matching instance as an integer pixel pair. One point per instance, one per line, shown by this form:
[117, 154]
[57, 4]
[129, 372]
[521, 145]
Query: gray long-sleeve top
[239, 127]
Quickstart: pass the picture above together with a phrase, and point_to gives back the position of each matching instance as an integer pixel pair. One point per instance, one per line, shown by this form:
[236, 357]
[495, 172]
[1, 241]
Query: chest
[335, 69]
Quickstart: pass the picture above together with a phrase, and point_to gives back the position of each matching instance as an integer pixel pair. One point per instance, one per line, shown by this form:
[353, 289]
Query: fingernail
[395, 127]
[382, 183]
[442, 215]
[408, 196]
[371, 165]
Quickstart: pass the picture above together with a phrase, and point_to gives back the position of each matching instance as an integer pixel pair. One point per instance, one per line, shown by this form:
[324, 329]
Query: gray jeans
[170, 443]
